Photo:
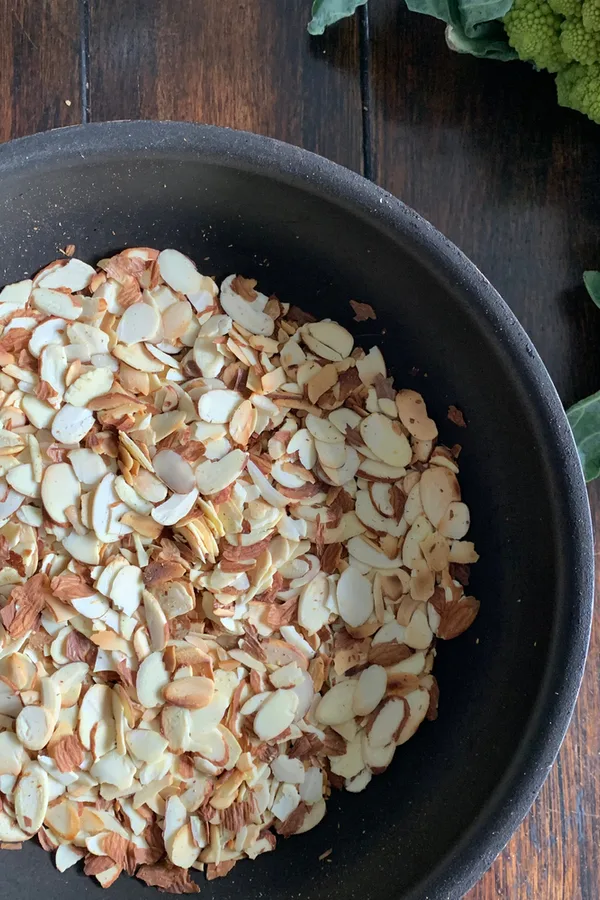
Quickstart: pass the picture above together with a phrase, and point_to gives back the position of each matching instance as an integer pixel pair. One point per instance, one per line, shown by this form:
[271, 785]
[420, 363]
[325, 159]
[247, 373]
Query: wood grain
[245, 65]
[39, 66]
[482, 150]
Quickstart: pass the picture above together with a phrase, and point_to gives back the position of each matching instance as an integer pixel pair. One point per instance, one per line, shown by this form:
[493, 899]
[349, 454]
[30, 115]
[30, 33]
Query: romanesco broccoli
[579, 88]
[533, 29]
[590, 11]
[566, 8]
[578, 44]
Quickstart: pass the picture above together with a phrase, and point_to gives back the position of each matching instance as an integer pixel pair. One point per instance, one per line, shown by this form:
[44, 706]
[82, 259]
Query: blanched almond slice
[147, 746]
[131, 497]
[31, 798]
[176, 507]
[39, 413]
[194, 692]
[323, 430]
[268, 492]
[370, 690]
[354, 597]
[276, 714]
[413, 415]
[12, 755]
[138, 358]
[156, 621]
[85, 548]
[149, 487]
[60, 489]
[151, 680]
[49, 332]
[21, 479]
[34, 727]
[174, 471]
[289, 770]
[179, 272]
[369, 516]
[74, 275]
[372, 470]
[176, 320]
[331, 456]
[313, 612]
[389, 444]
[91, 384]
[71, 424]
[176, 726]
[17, 293]
[93, 338]
[213, 477]
[55, 303]
[249, 315]
[371, 366]
[346, 472]
[126, 589]
[113, 768]
[140, 322]
[95, 707]
[336, 706]
[218, 406]
[367, 554]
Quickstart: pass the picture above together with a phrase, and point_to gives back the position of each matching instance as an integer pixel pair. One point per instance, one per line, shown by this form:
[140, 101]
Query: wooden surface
[479, 148]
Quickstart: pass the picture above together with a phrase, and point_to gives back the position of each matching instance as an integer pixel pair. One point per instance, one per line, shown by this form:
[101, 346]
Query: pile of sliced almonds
[227, 548]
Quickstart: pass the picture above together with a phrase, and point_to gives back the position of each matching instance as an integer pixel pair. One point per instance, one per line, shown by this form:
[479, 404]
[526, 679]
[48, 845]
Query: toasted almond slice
[456, 521]
[243, 423]
[382, 438]
[438, 489]
[176, 507]
[140, 322]
[371, 366]
[135, 451]
[174, 471]
[71, 424]
[131, 497]
[66, 856]
[94, 383]
[413, 415]
[31, 798]
[60, 489]
[194, 692]
[149, 487]
[138, 358]
[332, 335]
[21, 479]
[275, 715]
[56, 303]
[63, 819]
[156, 621]
[354, 597]
[151, 680]
[74, 275]
[213, 477]
[369, 515]
[182, 850]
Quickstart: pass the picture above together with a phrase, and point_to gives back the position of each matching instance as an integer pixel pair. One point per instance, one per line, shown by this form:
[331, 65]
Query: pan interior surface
[318, 237]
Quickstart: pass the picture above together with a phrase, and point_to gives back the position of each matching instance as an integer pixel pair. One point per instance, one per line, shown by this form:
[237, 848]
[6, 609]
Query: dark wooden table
[479, 148]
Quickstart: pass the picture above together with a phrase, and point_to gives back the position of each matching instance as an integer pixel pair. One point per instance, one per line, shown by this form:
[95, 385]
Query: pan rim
[460, 868]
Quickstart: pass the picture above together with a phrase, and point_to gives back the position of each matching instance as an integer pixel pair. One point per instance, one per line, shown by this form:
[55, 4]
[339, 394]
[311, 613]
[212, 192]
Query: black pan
[319, 235]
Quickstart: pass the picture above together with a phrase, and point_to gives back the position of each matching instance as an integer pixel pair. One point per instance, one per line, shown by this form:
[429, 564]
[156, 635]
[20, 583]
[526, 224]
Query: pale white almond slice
[10, 503]
[174, 471]
[388, 722]
[268, 492]
[34, 727]
[66, 856]
[95, 707]
[303, 443]
[176, 726]
[254, 703]
[126, 589]
[243, 423]
[373, 470]
[438, 488]
[152, 678]
[347, 472]
[53, 366]
[131, 497]
[56, 303]
[112, 768]
[74, 275]
[31, 798]
[147, 746]
[93, 338]
[418, 634]
[206, 719]
[134, 451]
[176, 320]
[39, 413]
[162, 356]
[289, 479]
[71, 424]
[354, 597]
[323, 430]
[49, 332]
[249, 315]
[370, 690]
[156, 621]
[367, 554]
[176, 507]
[102, 502]
[179, 272]
[212, 477]
[17, 293]
[207, 357]
[68, 675]
[418, 704]
[275, 715]
[288, 770]
[193, 692]
[333, 336]
[182, 850]
[371, 366]
[331, 456]
[165, 424]
[60, 489]
[336, 706]
[12, 754]
[10, 832]
[138, 358]
[92, 384]
[9, 442]
[313, 611]
[85, 548]
[344, 418]
[369, 515]
[381, 497]
[381, 437]
[217, 407]
[140, 322]
[21, 479]
[456, 521]
[149, 487]
[64, 820]
[350, 763]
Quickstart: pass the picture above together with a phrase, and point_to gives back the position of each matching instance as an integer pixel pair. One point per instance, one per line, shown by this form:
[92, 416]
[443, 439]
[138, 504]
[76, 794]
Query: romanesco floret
[590, 11]
[567, 8]
[579, 88]
[580, 45]
[533, 29]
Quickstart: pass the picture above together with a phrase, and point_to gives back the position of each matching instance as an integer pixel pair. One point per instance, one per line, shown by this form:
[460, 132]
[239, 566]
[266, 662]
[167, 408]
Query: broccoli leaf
[466, 15]
[327, 12]
[490, 43]
[584, 419]
[592, 283]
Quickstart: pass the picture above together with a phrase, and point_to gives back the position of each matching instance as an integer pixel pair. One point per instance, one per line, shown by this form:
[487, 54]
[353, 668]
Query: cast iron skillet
[319, 235]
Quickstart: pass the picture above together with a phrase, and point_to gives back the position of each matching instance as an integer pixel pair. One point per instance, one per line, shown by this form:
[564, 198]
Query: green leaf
[465, 15]
[327, 12]
[491, 42]
[592, 283]
[584, 419]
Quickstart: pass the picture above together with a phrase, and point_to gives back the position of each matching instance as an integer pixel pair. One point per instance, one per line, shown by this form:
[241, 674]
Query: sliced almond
[194, 692]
